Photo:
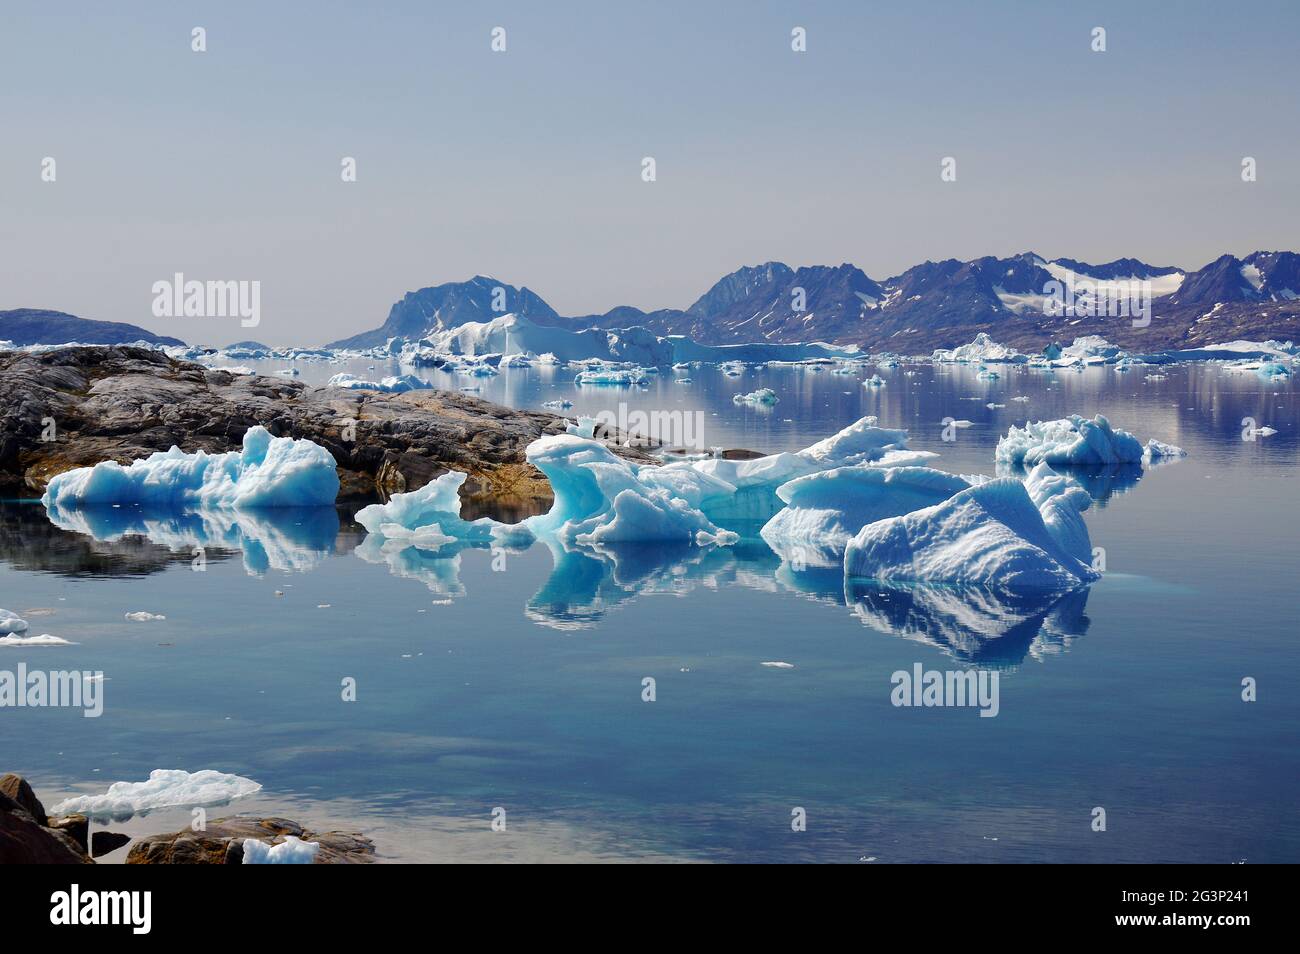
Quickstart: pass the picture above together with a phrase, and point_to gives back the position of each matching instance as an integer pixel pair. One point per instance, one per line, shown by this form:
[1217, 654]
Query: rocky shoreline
[73, 407]
[30, 836]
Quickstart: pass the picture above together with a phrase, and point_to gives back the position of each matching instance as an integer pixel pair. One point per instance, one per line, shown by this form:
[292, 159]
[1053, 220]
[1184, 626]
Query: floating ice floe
[429, 518]
[611, 376]
[875, 381]
[268, 472]
[763, 397]
[824, 510]
[16, 641]
[292, 851]
[561, 405]
[11, 623]
[1002, 534]
[1158, 450]
[1071, 440]
[390, 385]
[166, 788]
[144, 617]
[1239, 350]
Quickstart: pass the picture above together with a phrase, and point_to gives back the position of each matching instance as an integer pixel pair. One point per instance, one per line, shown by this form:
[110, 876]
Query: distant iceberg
[268, 472]
[762, 397]
[1072, 440]
[983, 350]
[391, 385]
[615, 376]
[166, 788]
[1088, 350]
[992, 534]
[514, 334]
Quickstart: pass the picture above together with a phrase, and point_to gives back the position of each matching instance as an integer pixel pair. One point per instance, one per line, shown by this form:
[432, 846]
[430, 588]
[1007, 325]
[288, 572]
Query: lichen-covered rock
[73, 407]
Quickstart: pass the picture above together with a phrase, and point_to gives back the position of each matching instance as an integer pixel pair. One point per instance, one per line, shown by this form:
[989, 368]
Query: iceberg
[267, 472]
[983, 350]
[613, 376]
[1072, 440]
[824, 510]
[1158, 450]
[762, 397]
[390, 385]
[166, 788]
[992, 534]
[11, 623]
[16, 641]
[1088, 350]
[430, 517]
[601, 498]
[292, 851]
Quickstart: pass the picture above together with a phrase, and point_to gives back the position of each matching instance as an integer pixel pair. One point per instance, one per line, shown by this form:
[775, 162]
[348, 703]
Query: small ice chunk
[144, 617]
[292, 851]
[777, 664]
[1158, 450]
[11, 622]
[762, 397]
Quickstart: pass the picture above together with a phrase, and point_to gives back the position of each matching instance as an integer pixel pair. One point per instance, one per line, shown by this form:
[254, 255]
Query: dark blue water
[515, 680]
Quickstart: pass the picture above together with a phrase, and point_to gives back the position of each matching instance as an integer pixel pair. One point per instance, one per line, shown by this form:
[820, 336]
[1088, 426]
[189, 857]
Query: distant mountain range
[28, 326]
[931, 305]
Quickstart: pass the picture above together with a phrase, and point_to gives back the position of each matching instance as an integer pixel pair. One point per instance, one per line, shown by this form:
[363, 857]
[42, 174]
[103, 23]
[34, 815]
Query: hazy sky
[526, 165]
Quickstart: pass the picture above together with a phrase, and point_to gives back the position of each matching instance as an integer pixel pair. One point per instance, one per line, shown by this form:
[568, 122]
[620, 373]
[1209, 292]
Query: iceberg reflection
[287, 538]
[973, 624]
[587, 582]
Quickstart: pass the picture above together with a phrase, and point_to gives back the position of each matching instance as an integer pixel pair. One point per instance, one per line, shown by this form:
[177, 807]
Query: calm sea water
[515, 681]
